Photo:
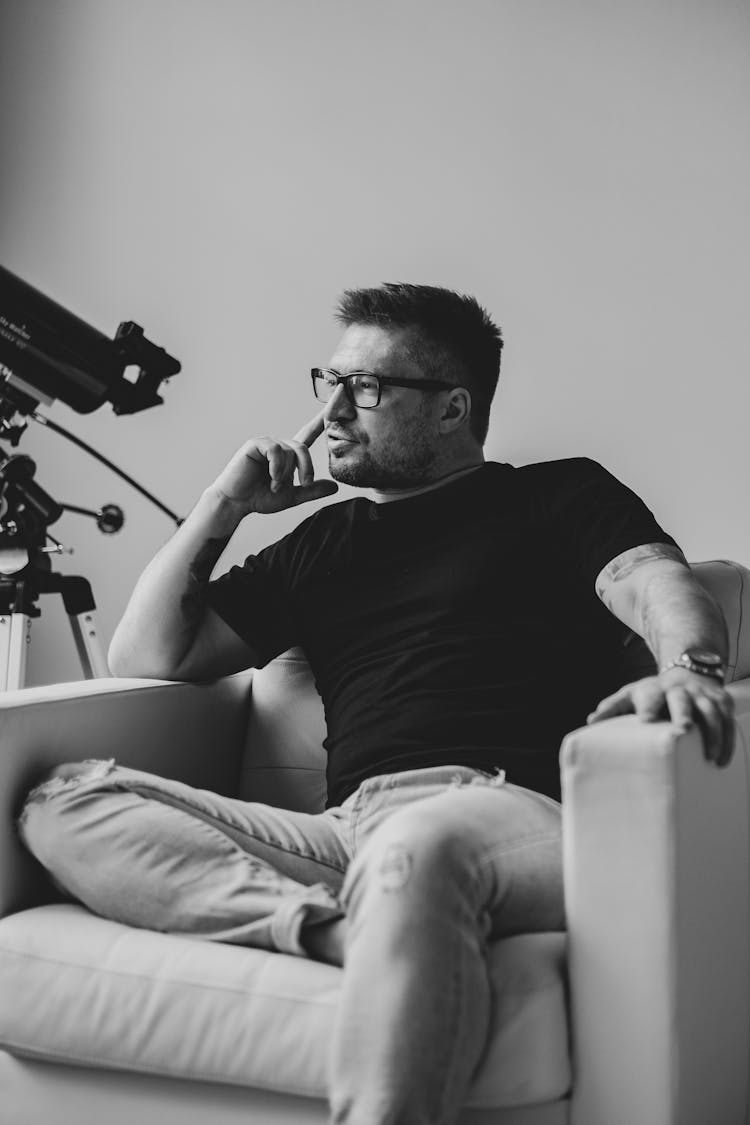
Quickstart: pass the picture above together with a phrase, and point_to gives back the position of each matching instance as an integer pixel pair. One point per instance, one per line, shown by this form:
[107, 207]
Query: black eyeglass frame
[381, 380]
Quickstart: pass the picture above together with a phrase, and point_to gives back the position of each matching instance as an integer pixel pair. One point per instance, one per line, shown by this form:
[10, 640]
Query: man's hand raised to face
[260, 476]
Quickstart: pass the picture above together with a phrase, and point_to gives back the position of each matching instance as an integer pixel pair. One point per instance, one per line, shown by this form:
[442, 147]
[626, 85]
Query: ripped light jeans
[419, 870]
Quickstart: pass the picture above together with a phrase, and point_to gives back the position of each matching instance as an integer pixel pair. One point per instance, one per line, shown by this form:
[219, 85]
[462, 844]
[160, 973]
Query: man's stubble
[406, 460]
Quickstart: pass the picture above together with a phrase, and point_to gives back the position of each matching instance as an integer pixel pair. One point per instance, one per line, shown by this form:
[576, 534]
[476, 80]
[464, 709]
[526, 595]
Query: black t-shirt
[459, 626]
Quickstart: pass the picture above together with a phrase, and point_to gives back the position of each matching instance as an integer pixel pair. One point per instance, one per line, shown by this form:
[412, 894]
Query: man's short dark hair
[454, 338]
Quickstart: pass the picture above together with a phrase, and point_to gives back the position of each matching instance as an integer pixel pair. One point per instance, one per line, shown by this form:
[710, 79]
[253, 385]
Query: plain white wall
[219, 170]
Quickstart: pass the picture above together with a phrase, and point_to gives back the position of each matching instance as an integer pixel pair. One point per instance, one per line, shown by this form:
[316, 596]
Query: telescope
[48, 353]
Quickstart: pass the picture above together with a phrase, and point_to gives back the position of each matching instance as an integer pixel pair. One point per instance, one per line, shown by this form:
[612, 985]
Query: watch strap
[685, 660]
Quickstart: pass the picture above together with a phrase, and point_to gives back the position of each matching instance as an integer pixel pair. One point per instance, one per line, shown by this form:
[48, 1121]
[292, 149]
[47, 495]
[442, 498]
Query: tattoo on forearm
[624, 565]
[648, 629]
[193, 599]
[667, 606]
[673, 618]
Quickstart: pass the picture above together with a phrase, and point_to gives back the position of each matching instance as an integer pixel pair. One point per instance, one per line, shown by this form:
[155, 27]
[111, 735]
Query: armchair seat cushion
[80, 989]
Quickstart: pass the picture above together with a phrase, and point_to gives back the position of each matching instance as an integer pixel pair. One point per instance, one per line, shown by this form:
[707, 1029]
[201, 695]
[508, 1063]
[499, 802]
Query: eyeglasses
[362, 388]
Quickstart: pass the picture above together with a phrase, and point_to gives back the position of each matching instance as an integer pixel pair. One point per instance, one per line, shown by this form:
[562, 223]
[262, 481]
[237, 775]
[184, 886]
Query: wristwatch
[699, 660]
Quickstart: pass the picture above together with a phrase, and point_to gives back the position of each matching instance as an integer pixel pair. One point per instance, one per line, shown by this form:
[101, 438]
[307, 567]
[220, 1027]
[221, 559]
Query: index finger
[311, 430]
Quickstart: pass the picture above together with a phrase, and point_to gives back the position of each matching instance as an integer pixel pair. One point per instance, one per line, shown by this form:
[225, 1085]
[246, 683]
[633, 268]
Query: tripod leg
[15, 635]
[79, 606]
[5, 628]
[87, 642]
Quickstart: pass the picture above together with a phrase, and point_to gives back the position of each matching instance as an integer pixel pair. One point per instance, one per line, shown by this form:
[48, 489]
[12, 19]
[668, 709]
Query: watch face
[702, 656]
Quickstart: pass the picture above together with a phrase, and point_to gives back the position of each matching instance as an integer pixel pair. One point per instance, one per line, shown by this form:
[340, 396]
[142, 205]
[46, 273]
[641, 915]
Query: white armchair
[639, 1015]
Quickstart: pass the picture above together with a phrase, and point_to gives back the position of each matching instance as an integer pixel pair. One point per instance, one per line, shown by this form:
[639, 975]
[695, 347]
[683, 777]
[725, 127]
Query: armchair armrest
[656, 861]
[191, 732]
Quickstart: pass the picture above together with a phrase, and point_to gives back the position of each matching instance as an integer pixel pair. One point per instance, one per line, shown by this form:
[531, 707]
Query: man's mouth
[339, 438]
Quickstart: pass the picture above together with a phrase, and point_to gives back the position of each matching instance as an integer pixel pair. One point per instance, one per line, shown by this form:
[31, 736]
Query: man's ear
[456, 410]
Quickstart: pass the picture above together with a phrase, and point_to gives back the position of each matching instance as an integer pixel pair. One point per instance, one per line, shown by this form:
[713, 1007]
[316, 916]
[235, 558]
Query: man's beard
[399, 466]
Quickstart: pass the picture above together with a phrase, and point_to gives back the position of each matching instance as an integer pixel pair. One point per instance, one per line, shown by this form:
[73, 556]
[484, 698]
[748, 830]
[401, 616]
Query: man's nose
[338, 406]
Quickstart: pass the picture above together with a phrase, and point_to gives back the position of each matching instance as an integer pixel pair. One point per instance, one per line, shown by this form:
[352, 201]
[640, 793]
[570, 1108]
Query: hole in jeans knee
[395, 867]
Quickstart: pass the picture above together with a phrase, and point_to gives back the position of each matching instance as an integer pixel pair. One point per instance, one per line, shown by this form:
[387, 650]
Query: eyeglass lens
[363, 389]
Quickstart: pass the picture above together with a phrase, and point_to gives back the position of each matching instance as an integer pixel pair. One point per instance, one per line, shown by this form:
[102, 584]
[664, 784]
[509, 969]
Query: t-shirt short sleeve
[254, 600]
[595, 517]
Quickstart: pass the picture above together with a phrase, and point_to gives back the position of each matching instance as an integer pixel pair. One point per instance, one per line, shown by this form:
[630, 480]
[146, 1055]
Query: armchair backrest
[284, 760]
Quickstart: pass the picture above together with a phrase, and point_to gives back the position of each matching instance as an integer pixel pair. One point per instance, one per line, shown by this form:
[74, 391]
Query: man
[459, 621]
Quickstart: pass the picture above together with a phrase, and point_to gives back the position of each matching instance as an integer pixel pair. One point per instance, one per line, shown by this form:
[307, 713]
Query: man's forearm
[675, 613]
[653, 591]
[165, 631]
[169, 600]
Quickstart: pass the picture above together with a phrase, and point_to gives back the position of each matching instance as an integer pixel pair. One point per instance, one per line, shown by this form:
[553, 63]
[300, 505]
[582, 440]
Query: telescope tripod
[18, 596]
[26, 511]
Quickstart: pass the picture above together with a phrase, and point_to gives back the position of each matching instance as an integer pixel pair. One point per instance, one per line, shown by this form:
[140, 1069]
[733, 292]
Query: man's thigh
[116, 808]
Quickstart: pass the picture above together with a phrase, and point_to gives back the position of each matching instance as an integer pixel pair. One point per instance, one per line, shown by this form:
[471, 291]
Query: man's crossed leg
[404, 885]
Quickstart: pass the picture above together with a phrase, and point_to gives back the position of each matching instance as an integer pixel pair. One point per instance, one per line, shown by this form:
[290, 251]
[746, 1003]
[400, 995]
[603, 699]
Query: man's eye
[364, 383]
